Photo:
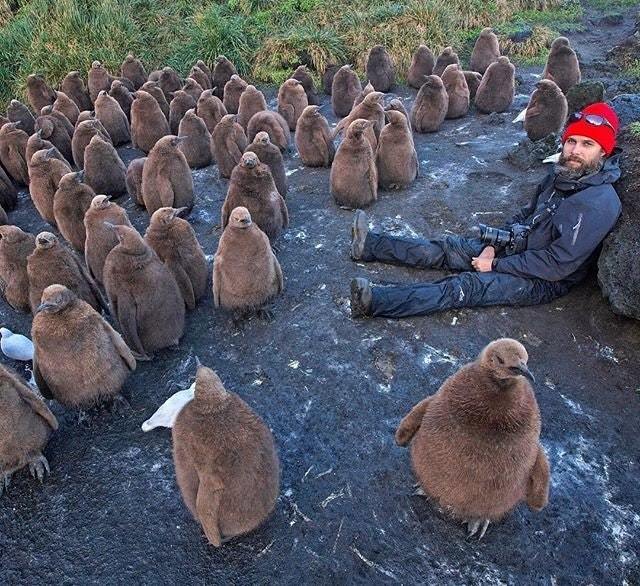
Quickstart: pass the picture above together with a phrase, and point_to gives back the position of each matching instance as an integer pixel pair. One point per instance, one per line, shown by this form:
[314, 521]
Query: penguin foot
[119, 405]
[5, 481]
[39, 467]
[83, 418]
[141, 357]
[265, 314]
[474, 524]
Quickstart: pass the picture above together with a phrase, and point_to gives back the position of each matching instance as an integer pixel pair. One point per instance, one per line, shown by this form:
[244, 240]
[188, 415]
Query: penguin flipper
[284, 211]
[120, 346]
[207, 506]
[31, 399]
[279, 278]
[184, 284]
[538, 486]
[40, 382]
[411, 422]
[128, 324]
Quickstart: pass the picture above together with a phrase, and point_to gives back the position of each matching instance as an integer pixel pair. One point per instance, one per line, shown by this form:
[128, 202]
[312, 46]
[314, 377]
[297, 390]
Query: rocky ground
[333, 391]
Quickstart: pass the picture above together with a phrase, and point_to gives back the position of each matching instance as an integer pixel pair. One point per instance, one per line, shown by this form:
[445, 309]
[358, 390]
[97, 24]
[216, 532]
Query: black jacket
[563, 243]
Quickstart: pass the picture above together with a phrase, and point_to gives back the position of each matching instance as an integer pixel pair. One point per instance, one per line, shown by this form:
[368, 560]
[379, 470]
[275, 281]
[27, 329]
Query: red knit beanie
[603, 135]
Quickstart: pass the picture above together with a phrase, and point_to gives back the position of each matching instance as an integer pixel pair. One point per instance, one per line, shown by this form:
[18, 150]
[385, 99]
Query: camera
[513, 240]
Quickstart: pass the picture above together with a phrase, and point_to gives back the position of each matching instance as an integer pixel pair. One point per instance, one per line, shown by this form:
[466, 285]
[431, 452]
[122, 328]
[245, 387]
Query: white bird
[16, 346]
[520, 117]
[166, 414]
[552, 159]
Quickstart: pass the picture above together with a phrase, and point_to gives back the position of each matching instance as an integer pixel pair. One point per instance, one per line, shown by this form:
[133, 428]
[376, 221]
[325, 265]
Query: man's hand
[482, 262]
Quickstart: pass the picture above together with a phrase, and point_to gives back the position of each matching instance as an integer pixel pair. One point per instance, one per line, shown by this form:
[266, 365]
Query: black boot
[360, 297]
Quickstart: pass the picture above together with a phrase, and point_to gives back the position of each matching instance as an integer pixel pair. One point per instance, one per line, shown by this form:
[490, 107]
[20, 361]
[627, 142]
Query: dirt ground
[333, 391]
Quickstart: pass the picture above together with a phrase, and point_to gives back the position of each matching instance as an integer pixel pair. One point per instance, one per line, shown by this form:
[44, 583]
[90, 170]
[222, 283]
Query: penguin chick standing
[344, 90]
[274, 125]
[380, 69]
[196, 140]
[65, 105]
[79, 360]
[85, 131]
[104, 170]
[18, 112]
[313, 139]
[354, 177]
[229, 142]
[112, 117]
[226, 461]
[71, 201]
[222, 72]
[430, 106]
[166, 177]
[396, 158]
[252, 186]
[496, 90]
[13, 148]
[73, 86]
[457, 91]
[39, 93]
[148, 122]
[232, 91]
[143, 295]
[134, 71]
[251, 101]
[210, 109]
[447, 57]
[15, 248]
[371, 108]
[175, 243]
[422, 64]
[246, 272]
[546, 112]
[179, 105]
[485, 52]
[134, 180]
[26, 424]
[292, 100]
[475, 444]
[98, 79]
[45, 172]
[270, 155]
[562, 65]
[304, 77]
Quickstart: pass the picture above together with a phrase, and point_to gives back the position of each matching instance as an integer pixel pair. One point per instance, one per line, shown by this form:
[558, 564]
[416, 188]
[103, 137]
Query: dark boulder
[627, 107]
[583, 94]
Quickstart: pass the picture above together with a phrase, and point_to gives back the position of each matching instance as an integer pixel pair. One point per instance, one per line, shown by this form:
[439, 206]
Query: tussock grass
[266, 39]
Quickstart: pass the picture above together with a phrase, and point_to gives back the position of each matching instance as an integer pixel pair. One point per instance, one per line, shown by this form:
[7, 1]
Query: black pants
[467, 289]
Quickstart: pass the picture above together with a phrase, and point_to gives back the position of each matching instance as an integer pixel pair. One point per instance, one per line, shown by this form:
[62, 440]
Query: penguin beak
[180, 212]
[80, 176]
[522, 370]
[44, 307]
[51, 153]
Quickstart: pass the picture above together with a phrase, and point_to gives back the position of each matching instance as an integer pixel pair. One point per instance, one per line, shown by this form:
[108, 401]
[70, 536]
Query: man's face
[581, 156]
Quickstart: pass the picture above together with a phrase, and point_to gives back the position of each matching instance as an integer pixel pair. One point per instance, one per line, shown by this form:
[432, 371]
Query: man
[545, 250]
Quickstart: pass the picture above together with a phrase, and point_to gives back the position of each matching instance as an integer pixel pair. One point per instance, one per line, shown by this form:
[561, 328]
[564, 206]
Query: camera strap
[551, 206]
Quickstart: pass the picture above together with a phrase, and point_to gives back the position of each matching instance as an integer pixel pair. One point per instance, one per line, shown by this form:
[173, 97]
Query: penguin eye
[500, 360]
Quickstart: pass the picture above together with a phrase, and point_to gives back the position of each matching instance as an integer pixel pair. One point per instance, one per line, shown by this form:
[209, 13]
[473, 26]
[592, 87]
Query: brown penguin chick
[344, 90]
[143, 294]
[366, 90]
[166, 177]
[98, 80]
[169, 82]
[456, 85]
[396, 157]
[148, 122]
[13, 148]
[430, 106]
[110, 114]
[37, 143]
[174, 241]
[134, 71]
[270, 155]
[79, 359]
[100, 238]
[193, 88]
[153, 89]
[86, 115]
[475, 444]
[228, 143]
[327, 78]
[251, 101]
[397, 105]
[252, 186]
[39, 94]
[304, 77]
[66, 106]
[123, 96]
[18, 112]
[200, 64]
[274, 125]
[314, 139]
[232, 91]
[155, 75]
[70, 203]
[354, 177]
[210, 109]
[292, 99]
[422, 64]
[73, 86]
[15, 247]
[104, 170]
[485, 52]
[380, 69]
[222, 72]
[56, 133]
[226, 462]
[26, 424]
[447, 57]
[60, 119]
[85, 131]
[473, 79]
[497, 88]
[246, 272]
[134, 180]
[546, 112]
[45, 172]
[562, 65]
[196, 143]
[8, 191]
[52, 262]
[179, 105]
[371, 108]
[200, 77]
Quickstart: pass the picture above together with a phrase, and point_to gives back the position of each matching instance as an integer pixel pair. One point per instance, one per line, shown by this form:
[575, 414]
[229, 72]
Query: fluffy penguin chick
[134, 71]
[447, 57]
[134, 180]
[292, 100]
[104, 170]
[396, 157]
[148, 122]
[422, 64]
[73, 86]
[166, 177]
[304, 77]
[473, 79]
[13, 148]
[251, 101]
[85, 131]
[175, 243]
[52, 262]
[222, 72]
[475, 444]
[143, 294]
[180, 104]
[200, 77]
[79, 360]
[154, 90]
[354, 177]
[252, 186]
[226, 462]
[496, 90]
[457, 90]
[485, 52]
[246, 272]
[109, 112]
[210, 109]
[98, 79]
[371, 108]
[380, 69]
[344, 90]
[39, 94]
[15, 247]
[430, 106]
[121, 94]
[55, 131]
[25, 427]
[70, 203]
[65, 105]
[313, 139]
[232, 91]
[45, 172]
[18, 112]
[193, 88]
[229, 142]
[562, 65]
[547, 110]
[270, 155]
[196, 140]
[273, 124]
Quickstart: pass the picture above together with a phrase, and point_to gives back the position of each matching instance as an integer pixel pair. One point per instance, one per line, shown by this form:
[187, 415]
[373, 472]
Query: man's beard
[574, 173]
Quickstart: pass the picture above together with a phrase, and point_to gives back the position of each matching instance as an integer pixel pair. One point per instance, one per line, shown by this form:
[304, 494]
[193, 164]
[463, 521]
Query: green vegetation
[634, 129]
[266, 39]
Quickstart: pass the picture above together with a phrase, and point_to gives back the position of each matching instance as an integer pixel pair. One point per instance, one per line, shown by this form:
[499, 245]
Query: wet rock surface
[627, 106]
[333, 391]
[583, 94]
